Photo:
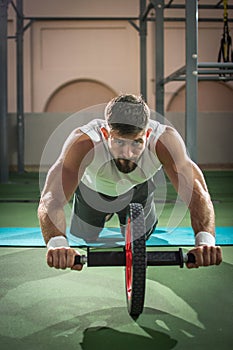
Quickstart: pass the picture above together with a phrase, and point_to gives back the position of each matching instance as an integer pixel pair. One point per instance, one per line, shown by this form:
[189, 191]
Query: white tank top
[102, 175]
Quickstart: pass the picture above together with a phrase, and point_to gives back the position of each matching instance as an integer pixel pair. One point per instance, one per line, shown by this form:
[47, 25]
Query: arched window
[79, 94]
[213, 96]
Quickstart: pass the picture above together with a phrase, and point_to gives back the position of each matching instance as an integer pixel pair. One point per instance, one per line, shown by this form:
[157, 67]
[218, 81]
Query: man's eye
[119, 142]
[137, 143]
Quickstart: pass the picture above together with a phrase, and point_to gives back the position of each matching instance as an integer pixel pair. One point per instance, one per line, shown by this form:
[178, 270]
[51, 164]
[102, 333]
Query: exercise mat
[162, 236]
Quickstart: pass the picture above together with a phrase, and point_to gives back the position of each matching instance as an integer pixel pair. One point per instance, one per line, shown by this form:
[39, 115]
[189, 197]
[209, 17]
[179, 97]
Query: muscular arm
[61, 182]
[187, 179]
[189, 182]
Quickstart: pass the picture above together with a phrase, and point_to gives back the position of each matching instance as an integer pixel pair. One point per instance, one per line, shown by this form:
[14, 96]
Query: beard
[124, 165]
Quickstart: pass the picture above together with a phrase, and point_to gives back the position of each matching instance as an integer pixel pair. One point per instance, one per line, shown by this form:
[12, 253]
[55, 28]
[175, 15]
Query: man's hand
[205, 256]
[62, 258]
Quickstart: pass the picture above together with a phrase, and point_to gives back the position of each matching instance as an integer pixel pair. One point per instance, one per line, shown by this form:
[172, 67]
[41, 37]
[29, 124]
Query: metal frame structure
[3, 92]
[191, 73]
[193, 70]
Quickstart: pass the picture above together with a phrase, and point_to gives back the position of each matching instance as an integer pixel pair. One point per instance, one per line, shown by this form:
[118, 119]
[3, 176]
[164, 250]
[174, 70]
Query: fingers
[62, 258]
[218, 256]
[205, 256]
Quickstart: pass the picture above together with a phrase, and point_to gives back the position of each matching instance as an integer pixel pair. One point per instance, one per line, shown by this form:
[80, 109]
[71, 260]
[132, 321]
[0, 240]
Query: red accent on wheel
[129, 257]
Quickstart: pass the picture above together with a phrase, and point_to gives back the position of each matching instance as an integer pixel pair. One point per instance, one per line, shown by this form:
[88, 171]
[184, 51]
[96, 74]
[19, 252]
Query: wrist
[204, 238]
[57, 242]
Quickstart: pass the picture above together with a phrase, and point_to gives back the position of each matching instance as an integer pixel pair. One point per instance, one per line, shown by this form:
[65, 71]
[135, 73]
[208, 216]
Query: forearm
[189, 182]
[59, 254]
[52, 222]
[206, 252]
[201, 210]
[203, 224]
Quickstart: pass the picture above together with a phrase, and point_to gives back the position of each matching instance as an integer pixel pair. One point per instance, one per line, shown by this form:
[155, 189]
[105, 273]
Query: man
[107, 164]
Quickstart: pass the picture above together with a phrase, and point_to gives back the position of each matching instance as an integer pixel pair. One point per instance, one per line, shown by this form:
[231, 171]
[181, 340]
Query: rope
[225, 52]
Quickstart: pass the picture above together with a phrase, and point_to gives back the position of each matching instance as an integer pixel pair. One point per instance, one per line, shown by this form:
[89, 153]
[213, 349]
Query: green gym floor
[43, 308]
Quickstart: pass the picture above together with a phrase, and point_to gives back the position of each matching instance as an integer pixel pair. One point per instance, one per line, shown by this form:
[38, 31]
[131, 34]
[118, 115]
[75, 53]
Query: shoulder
[170, 134]
[93, 129]
[157, 127]
[156, 130]
[86, 134]
[77, 144]
[170, 146]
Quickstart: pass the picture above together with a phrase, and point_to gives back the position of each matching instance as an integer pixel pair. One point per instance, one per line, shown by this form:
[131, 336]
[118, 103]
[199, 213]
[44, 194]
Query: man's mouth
[125, 165]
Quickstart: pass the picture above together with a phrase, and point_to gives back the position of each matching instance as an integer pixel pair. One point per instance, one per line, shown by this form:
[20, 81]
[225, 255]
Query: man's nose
[127, 151]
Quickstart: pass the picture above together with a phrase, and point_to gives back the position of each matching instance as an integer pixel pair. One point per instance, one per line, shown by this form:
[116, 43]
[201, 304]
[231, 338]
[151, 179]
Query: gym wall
[70, 65]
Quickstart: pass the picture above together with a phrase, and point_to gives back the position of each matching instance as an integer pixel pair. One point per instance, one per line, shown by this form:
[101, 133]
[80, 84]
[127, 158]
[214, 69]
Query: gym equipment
[225, 52]
[135, 258]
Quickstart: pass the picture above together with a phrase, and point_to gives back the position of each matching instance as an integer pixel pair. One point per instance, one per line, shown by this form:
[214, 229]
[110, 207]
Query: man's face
[126, 149]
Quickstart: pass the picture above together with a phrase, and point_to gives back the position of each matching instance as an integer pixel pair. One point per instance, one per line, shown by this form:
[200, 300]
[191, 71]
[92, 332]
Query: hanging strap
[225, 52]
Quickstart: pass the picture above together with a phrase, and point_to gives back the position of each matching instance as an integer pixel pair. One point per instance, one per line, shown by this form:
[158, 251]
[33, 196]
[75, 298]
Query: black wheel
[135, 250]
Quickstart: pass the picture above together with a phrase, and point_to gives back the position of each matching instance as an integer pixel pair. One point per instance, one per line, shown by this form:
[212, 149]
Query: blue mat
[181, 236]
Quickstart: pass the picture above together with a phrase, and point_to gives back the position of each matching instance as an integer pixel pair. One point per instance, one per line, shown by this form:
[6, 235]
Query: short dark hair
[127, 114]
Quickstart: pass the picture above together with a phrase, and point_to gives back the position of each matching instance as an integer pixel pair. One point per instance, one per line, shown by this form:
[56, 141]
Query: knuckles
[61, 258]
[206, 256]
